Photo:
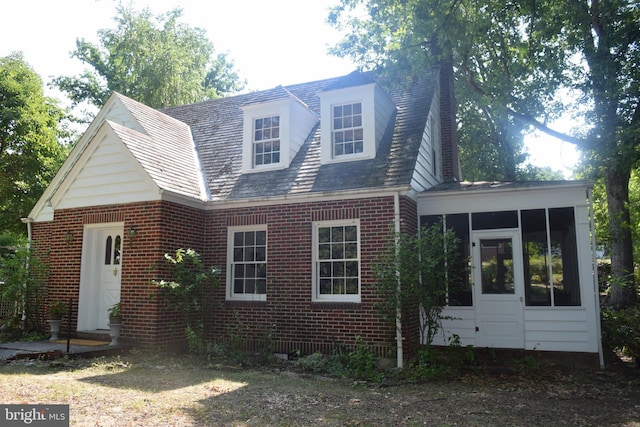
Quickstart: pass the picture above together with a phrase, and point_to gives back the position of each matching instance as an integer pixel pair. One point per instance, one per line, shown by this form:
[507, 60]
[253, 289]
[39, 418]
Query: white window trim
[230, 295]
[316, 297]
[363, 95]
[259, 111]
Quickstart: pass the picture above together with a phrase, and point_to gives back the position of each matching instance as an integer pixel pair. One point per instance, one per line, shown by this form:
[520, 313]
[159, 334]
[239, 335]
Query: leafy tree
[419, 269]
[30, 152]
[188, 293]
[22, 277]
[157, 61]
[515, 57]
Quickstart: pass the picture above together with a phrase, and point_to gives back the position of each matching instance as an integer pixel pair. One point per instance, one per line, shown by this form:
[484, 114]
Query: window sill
[244, 303]
[335, 305]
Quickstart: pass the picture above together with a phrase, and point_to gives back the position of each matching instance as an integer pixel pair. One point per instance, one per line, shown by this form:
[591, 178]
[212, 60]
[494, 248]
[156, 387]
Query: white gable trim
[98, 129]
[43, 211]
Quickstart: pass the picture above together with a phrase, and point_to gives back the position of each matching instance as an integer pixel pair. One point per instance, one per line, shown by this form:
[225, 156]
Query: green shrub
[621, 331]
[361, 361]
[317, 363]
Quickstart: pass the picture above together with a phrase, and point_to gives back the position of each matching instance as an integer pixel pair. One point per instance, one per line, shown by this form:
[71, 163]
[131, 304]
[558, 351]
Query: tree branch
[544, 128]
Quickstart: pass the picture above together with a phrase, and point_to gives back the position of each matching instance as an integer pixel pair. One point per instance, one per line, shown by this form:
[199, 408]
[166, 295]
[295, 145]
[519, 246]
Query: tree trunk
[623, 288]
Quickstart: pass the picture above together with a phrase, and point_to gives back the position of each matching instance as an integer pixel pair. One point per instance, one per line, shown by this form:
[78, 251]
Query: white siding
[460, 322]
[423, 176]
[109, 175]
[559, 329]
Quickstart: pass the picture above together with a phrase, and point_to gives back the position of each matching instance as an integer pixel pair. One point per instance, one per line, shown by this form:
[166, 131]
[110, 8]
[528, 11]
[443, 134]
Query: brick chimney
[448, 126]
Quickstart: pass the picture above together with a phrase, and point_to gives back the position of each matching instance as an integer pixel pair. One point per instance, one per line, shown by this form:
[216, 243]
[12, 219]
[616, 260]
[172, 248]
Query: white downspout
[594, 273]
[27, 221]
[399, 339]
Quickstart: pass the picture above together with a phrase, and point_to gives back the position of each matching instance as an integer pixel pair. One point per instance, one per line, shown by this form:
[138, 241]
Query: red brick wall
[410, 319]
[448, 125]
[161, 227]
[289, 319]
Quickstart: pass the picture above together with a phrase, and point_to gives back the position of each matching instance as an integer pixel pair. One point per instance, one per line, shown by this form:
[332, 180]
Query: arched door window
[112, 250]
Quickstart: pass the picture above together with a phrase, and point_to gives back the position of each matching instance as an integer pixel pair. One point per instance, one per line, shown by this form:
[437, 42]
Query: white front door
[100, 275]
[498, 280]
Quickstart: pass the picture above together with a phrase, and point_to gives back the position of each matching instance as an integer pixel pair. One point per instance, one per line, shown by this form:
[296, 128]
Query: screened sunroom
[530, 279]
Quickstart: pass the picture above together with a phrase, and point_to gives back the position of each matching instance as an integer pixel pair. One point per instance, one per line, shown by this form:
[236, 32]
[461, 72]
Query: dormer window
[266, 141]
[354, 121]
[348, 137]
[274, 131]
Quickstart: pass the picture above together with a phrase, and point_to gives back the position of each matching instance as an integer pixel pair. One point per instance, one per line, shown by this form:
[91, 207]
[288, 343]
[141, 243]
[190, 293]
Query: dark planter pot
[114, 320]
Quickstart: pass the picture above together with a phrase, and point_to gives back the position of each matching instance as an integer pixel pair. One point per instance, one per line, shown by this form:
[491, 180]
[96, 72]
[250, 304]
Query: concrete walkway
[48, 349]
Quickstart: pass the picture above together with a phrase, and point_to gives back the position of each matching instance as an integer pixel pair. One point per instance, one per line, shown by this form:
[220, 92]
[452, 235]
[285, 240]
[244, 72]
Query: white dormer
[354, 119]
[273, 133]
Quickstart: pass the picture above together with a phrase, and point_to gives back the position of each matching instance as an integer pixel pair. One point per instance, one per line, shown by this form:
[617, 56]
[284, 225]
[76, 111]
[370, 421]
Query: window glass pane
[238, 271]
[494, 220]
[337, 251]
[324, 234]
[324, 251]
[261, 253]
[496, 258]
[535, 256]
[238, 239]
[325, 286]
[116, 250]
[459, 284]
[351, 250]
[238, 286]
[337, 234]
[261, 286]
[249, 286]
[249, 238]
[108, 246]
[564, 257]
[351, 286]
[261, 270]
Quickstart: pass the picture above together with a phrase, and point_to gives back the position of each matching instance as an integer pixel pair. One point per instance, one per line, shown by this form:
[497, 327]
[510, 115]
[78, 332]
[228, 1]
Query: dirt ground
[144, 390]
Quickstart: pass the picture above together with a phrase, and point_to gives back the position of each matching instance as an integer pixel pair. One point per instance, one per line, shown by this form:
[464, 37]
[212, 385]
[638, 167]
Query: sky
[274, 42]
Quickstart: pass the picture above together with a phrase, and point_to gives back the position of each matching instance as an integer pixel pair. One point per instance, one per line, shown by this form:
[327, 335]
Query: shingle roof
[166, 150]
[217, 129]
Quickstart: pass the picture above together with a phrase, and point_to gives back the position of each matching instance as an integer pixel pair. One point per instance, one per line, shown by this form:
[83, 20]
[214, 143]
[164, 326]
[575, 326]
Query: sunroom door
[498, 280]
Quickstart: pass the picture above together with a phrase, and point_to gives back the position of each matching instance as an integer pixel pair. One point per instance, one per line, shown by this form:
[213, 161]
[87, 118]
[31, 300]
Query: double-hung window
[247, 263]
[336, 261]
[266, 141]
[348, 137]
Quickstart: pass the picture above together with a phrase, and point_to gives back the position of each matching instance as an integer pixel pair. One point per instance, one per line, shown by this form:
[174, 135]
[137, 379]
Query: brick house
[291, 192]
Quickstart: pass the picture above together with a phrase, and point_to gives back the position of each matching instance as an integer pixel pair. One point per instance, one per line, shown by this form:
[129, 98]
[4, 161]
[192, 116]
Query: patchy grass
[147, 390]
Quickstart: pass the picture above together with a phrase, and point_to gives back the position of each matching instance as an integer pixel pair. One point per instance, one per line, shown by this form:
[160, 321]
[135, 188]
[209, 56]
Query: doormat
[76, 341]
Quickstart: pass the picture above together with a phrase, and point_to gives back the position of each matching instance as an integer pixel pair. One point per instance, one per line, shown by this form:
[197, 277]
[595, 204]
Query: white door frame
[499, 313]
[92, 314]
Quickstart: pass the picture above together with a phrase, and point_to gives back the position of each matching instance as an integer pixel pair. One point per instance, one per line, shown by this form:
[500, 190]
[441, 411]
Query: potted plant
[57, 310]
[115, 323]
[115, 315]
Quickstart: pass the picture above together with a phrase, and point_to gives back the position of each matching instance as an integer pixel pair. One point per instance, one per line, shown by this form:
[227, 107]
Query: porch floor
[53, 349]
